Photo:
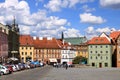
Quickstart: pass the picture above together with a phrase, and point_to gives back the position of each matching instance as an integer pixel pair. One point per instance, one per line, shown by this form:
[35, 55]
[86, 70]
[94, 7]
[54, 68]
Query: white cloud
[36, 24]
[115, 4]
[91, 19]
[92, 32]
[87, 9]
[72, 33]
[56, 5]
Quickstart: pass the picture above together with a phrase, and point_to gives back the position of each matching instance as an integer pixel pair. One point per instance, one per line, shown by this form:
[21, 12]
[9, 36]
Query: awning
[14, 59]
[53, 60]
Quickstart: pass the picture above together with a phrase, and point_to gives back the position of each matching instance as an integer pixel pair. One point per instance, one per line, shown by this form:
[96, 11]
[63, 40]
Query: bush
[79, 60]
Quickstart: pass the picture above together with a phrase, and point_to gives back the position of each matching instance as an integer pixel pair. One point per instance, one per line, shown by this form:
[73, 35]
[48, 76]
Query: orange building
[26, 48]
[42, 49]
[47, 49]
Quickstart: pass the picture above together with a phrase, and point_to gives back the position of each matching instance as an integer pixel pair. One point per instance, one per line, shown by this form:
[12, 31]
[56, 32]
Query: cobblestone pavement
[83, 74]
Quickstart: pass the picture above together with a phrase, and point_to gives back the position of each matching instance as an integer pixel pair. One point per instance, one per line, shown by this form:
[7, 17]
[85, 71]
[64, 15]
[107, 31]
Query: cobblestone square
[83, 74]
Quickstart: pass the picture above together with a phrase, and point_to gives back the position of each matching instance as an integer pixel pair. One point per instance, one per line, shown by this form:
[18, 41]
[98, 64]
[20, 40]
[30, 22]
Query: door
[100, 65]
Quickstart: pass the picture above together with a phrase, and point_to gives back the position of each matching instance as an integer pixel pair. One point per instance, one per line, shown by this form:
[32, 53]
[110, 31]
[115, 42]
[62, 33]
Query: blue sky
[49, 18]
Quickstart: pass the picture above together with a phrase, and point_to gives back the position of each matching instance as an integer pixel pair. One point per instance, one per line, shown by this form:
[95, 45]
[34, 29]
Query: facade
[82, 50]
[115, 36]
[3, 43]
[47, 49]
[100, 51]
[13, 40]
[80, 44]
[67, 55]
[118, 51]
[42, 49]
[26, 48]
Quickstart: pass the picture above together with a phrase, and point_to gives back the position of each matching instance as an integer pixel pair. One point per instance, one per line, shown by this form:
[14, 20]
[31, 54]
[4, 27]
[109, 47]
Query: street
[30, 74]
[50, 73]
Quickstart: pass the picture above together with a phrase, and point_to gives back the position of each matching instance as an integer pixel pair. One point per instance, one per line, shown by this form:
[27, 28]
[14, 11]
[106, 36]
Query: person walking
[66, 66]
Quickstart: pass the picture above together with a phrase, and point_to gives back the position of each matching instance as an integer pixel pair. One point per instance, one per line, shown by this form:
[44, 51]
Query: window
[96, 57]
[101, 52]
[101, 57]
[22, 47]
[106, 64]
[96, 46]
[106, 51]
[90, 46]
[100, 46]
[90, 51]
[106, 57]
[25, 53]
[30, 53]
[106, 46]
[95, 51]
[22, 53]
[91, 57]
[26, 47]
[30, 48]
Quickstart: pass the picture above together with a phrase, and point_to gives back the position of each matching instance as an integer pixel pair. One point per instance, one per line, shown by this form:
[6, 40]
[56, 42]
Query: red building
[3, 45]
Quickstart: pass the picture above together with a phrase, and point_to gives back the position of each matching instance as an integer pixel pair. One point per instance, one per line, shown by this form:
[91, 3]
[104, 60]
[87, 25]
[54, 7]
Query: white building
[67, 55]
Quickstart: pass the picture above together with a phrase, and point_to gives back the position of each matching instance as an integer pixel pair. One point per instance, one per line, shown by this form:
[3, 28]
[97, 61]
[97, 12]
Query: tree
[79, 60]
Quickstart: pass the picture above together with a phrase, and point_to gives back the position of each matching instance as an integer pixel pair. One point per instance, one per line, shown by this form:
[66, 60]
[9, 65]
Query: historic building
[13, 40]
[3, 43]
[38, 48]
[115, 36]
[100, 51]
[67, 54]
[47, 49]
[26, 48]
[79, 43]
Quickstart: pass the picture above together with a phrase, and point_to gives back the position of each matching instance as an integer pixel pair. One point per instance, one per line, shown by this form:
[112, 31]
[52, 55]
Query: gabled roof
[76, 40]
[99, 40]
[114, 34]
[26, 40]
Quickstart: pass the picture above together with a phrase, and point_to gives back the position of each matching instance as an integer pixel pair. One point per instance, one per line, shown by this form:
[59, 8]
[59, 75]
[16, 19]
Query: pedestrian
[66, 66]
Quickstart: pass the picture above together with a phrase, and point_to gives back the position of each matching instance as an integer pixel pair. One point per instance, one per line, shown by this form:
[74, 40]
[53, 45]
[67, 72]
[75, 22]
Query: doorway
[100, 65]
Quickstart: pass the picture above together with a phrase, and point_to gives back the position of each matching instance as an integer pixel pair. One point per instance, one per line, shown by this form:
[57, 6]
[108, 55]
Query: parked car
[9, 67]
[14, 67]
[3, 70]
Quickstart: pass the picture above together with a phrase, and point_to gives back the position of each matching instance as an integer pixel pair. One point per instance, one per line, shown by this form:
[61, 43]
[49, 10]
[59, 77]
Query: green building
[100, 51]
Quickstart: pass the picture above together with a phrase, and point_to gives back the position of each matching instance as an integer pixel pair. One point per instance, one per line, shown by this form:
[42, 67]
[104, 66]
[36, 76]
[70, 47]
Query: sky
[49, 18]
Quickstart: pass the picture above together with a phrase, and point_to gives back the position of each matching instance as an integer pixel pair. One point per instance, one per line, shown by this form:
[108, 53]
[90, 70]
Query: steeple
[62, 35]
[14, 21]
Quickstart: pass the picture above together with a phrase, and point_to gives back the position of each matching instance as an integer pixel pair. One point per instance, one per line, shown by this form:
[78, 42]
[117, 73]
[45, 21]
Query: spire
[14, 20]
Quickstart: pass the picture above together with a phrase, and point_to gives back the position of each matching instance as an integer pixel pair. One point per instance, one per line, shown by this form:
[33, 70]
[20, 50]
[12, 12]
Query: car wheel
[2, 73]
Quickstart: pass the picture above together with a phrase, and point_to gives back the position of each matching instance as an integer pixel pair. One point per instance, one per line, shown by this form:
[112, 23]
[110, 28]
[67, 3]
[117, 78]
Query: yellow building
[26, 48]
[82, 50]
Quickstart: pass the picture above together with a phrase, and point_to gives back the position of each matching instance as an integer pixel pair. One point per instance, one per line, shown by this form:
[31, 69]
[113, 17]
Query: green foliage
[79, 60]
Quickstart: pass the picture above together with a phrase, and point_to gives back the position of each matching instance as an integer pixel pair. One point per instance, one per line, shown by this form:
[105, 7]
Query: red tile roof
[45, 43]
[114, 34]
[26, 40]
[99, 40]
[48, 43]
